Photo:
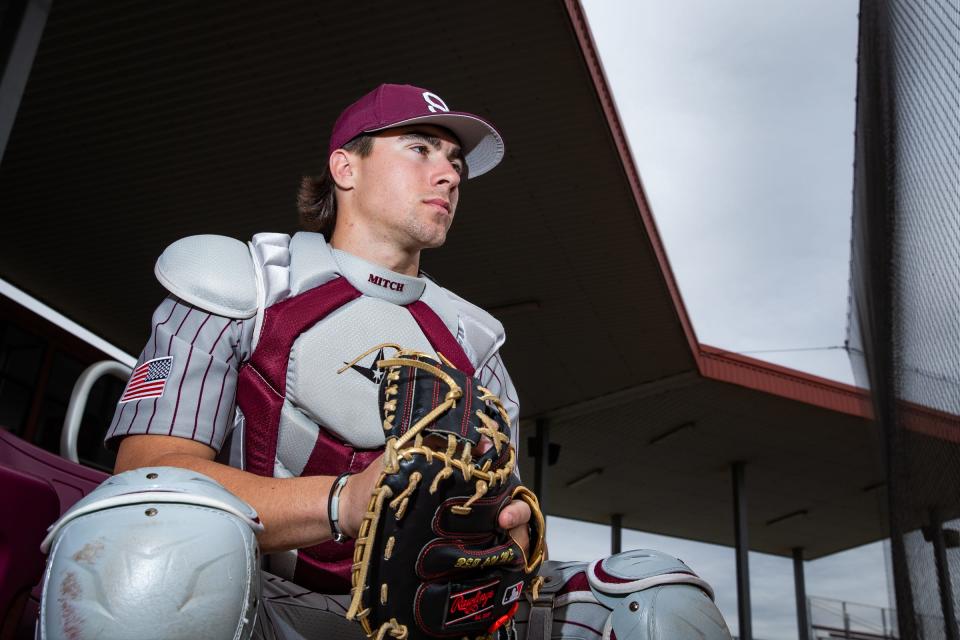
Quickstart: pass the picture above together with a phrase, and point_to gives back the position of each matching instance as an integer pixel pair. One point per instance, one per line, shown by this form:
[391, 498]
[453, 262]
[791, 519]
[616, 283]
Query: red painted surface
[30, 505]
[724, 366]
[930, 422]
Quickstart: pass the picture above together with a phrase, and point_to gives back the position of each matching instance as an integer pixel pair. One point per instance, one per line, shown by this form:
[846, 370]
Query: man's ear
[342, 168]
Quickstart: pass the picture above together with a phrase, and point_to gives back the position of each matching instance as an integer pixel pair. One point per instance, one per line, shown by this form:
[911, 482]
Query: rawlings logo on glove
[430, 560]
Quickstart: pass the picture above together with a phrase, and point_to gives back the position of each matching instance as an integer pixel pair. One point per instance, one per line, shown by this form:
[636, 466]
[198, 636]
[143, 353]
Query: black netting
[905, 283]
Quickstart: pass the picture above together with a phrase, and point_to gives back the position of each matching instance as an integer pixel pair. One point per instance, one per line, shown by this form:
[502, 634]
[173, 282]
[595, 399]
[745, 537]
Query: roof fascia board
[734, 368]
[725, 366]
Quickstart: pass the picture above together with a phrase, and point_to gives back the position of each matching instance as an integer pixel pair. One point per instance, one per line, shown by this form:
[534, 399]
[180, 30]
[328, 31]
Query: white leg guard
[157, 552]
[635, 595]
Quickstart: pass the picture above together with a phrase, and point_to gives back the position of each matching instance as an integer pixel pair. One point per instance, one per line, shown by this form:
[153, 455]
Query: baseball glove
[430, 560]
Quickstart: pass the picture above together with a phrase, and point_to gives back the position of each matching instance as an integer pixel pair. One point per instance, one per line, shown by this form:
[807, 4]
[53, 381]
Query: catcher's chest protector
[306, 410]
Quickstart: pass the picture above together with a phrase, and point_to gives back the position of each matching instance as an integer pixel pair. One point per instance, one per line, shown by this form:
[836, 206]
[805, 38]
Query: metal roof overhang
[142, 123]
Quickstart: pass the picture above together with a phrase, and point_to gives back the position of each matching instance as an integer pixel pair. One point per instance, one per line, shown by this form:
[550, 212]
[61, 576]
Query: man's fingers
[484, 445]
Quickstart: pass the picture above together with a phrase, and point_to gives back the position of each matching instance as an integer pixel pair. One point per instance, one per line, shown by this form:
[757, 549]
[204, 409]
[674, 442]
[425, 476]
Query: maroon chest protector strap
[261, 388]
[262, 382]
[440, 337]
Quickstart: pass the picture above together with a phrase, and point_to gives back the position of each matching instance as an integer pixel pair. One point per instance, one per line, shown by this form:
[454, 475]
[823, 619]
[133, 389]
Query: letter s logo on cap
[434, 102]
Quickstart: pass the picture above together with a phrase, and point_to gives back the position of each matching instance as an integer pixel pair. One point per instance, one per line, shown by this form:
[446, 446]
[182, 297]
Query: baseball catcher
[289, 490]
[429, 560]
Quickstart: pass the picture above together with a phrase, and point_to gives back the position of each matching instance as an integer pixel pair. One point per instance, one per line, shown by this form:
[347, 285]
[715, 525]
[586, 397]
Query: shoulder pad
[214, 273]
[482, 331]
[620, 575]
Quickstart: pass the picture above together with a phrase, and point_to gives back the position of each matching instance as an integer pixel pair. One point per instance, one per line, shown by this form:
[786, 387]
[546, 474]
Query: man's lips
[440, 202]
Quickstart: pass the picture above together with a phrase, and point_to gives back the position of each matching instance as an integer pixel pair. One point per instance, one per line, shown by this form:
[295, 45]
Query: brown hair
[317, 198]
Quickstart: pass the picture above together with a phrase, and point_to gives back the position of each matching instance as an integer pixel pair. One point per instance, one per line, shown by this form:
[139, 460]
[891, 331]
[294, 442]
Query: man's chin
[433, 239]
[434, 243]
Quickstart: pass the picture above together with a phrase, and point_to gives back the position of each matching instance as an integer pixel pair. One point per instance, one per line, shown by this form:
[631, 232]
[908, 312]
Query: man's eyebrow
[433, 141]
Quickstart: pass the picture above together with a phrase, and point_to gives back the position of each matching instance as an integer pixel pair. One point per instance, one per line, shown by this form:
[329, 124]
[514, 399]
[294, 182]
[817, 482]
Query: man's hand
[355, 497]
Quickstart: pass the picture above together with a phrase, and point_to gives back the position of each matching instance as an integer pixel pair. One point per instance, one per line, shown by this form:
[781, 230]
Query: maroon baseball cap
[397, 105]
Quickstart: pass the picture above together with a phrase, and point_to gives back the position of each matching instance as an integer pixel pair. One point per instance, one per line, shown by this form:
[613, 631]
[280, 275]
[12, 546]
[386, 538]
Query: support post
[742, 548]
[541, 461]
[800, 587]
[943, 575]
[616, 533]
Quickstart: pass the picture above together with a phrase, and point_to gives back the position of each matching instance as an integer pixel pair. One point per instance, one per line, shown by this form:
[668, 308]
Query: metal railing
[839, 619]
[78, 402]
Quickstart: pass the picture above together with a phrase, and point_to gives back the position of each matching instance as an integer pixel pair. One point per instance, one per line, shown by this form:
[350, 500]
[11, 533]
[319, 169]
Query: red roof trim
[930, 422]
[733, 368]
[724, 366]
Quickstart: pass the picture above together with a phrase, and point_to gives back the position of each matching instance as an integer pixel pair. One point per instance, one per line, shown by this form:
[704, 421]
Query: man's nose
[448, 174]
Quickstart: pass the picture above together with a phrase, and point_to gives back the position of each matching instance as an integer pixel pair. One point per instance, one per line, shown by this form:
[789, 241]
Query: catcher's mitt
[430, 560]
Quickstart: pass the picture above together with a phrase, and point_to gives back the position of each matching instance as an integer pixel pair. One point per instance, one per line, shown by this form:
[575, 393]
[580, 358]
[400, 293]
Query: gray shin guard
[158, 552]
[655, 597]
[635, 595]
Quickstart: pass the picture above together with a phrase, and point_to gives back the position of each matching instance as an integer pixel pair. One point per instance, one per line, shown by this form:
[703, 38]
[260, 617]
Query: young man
[287, 330]
[395, 194]
[391, 188]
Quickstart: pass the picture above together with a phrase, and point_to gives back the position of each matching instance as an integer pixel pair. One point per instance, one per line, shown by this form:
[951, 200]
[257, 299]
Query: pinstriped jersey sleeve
[184, 383]
[493, 375]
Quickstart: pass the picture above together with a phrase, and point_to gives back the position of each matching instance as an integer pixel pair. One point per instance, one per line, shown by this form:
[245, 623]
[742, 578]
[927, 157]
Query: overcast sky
[740, 115]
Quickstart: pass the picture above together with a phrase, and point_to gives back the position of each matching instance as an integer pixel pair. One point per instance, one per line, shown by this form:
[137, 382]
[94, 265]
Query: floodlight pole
[943, 574]
[743, 547]
[800, 587]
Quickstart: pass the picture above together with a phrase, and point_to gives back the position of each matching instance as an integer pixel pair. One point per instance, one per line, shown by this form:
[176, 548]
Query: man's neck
[375, 250]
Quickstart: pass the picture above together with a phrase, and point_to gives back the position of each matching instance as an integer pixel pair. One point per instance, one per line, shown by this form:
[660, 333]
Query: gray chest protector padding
[321, 388]
[227, 277]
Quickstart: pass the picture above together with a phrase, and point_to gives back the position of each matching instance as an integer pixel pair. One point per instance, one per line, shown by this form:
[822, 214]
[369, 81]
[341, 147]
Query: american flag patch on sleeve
[148, 380]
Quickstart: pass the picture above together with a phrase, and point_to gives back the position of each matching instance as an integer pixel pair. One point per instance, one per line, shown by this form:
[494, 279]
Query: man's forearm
[292, 510]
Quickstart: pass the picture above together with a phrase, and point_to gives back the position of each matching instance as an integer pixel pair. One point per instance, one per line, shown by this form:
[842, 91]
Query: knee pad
[654, 596]
[158, 552]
